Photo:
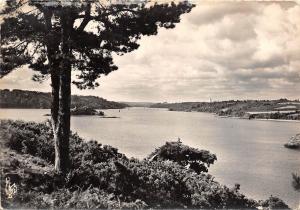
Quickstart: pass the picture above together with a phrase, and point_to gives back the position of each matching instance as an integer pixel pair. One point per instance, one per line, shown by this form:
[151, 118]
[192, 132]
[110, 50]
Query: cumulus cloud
[219, 50]
[210, 12]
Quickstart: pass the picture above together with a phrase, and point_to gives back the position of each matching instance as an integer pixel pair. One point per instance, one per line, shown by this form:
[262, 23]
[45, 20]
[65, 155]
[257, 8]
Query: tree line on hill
[270, 109]
[40, 100]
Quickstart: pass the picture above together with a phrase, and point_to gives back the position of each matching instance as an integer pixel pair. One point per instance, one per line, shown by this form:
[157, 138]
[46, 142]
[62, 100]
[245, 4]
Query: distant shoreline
[244, 118]
[256, 119]
[277, 110]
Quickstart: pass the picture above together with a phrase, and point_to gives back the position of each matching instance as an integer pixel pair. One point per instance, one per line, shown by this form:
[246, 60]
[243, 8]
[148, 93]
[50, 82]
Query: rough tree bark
[54, 63]
[62, 128]
[59, 54]
[52, 50]
[55, 97]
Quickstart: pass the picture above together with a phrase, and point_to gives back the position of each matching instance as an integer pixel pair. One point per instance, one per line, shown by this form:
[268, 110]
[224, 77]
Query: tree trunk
[62, 128]
[55, 81]
[52, 50]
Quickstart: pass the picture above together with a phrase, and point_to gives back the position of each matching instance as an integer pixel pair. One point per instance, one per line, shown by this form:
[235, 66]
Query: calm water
[249, 152]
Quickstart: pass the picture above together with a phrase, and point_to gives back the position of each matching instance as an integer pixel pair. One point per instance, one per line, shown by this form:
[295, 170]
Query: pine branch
[86, 19]
[36, 49]
[15, 47]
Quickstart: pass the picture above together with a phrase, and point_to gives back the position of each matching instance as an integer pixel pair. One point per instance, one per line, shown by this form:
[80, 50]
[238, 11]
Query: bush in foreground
[101, 177]
[274, 203]
[198, 160]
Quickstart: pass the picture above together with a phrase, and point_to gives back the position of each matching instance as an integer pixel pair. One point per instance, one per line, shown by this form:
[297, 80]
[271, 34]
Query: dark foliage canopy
[31, 33]
[198, 160]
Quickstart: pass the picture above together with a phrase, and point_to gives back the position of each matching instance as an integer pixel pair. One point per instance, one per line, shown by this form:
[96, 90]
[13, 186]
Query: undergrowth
[101, 177]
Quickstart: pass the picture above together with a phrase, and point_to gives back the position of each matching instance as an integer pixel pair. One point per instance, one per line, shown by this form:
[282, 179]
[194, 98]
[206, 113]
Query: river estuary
[249, 152]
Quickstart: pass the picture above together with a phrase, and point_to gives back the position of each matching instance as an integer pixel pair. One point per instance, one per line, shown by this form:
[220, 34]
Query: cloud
[219, 50]
[210, 12]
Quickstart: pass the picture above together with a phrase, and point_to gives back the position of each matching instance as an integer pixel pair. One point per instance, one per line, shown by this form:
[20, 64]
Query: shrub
[198, 160]
[37, 139]
[100, 177]
[274, 203]
[29, 138]
[160, 184]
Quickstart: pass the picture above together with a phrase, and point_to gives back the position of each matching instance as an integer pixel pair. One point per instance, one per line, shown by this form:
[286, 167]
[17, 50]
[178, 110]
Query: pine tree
[52, 38]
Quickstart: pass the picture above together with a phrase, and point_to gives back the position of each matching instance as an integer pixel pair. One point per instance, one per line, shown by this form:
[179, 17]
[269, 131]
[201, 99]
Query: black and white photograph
[149, 104]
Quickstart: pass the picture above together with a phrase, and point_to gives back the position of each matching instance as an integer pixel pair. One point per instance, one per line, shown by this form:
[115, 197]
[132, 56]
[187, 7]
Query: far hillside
[40, 100]
[139, 104]
[263, 109]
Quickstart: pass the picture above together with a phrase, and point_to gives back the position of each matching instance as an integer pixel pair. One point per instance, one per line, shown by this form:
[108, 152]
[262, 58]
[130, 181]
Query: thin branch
[100, 5]
[36, 49]
[86, 19]
[14, 47]
[23, 50]
[106, 12]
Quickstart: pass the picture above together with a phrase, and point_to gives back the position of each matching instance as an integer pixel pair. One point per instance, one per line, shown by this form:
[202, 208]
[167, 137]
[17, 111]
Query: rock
[294, 142]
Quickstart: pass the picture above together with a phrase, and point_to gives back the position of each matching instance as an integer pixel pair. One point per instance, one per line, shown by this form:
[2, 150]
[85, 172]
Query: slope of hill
[264, 109]
[139, 104]
[41, 100]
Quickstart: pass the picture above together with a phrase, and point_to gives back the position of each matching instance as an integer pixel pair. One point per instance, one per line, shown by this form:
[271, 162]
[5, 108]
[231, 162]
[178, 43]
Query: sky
[220, 50]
